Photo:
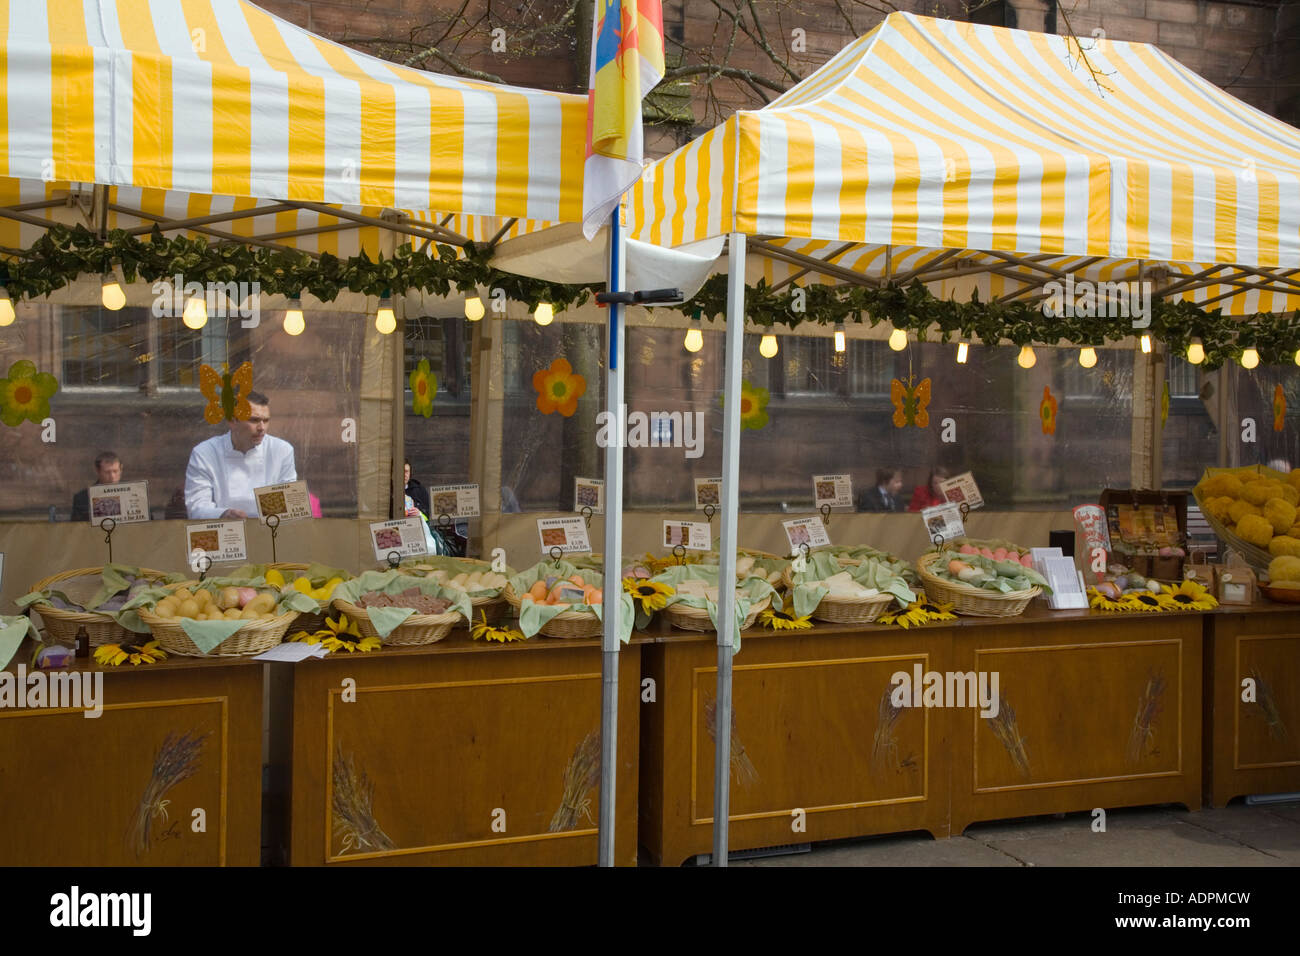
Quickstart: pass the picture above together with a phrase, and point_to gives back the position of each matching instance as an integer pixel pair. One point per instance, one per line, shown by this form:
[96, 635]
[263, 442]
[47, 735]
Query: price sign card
[403, 535]
[833, 490]
[454, 501]
[289, 500]
[125, 503]
[943, 520]
[961, 489]
[806, 531]
[567, 534]
[708, 491]
[691, 535]
[589, 493]
[217, 541]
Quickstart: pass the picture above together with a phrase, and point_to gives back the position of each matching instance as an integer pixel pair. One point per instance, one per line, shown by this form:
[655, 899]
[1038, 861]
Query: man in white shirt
[224, 470]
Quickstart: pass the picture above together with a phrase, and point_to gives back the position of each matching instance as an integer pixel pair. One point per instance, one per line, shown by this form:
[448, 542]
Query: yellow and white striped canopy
[946, 150]
[196, 108]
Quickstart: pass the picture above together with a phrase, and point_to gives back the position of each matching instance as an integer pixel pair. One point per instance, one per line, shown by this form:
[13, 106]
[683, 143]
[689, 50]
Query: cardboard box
[1234, 582]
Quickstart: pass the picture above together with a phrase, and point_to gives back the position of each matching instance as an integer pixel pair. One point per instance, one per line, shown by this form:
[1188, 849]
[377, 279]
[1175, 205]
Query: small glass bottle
[83, 643]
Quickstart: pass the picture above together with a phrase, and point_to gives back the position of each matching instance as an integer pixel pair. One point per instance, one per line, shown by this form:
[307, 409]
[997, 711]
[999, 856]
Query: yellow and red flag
[627, 60]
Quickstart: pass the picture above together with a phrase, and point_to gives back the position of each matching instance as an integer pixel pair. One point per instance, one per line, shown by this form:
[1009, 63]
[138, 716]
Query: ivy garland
[64, 253]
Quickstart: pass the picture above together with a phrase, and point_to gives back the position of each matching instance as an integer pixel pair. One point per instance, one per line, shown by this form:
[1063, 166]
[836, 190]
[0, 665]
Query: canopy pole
[727, 546]
[613, 549]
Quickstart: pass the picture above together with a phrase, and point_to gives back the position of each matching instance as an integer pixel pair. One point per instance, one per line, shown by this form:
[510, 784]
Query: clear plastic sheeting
[1190, 439]
[1267, 408]
[129, 384]
[438, 446]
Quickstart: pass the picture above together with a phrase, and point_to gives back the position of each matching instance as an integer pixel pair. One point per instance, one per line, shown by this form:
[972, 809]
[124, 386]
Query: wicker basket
[697, 618]
[255, 637]
[61, 626]
[842, 610]
[311, 621]
[1255, 556]
[968, 599]
[494, 606]
[569, 624]
[416, 629]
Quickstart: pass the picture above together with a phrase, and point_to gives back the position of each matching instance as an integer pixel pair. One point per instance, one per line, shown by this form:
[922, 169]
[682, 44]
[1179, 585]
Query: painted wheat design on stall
[741, 765]
[177, 759]
[581, 774]
[1007, 730]
[1267, 703]
[1142, 736]
[354, 796]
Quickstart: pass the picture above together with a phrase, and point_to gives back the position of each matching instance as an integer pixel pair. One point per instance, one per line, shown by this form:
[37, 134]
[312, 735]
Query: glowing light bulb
[694, 340]
[1146, 344]
[898, 340]
[1087, 356]
[840, 345]
[963, 350]
[6, 308]
[474, 309]
[544, 314]
[1196, 352]
[1026, 358]
[1297, 354]
[385, 319]
[195, 315]
[110, 293]
[768, 347]
[1249, 358]
[294, 323]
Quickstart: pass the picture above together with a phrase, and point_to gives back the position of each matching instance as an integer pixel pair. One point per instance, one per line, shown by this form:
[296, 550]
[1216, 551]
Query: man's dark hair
[106, 458]
[257, 398]
[885, 475]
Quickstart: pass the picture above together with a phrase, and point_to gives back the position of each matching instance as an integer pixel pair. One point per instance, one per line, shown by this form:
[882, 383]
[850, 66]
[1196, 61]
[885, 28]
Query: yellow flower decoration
[753, 405]
[920, 611]
[784, 620]
[1142, 601]
[424, 385]
[558, 388]
[1188, 596]
[1100, 602]
[25, 394]
[339, 634]
[652, 595]
[111, 655]
[483, 631]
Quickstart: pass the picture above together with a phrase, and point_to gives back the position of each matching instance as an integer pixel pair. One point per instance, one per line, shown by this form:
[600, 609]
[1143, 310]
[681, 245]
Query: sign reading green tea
[288, 500]
[833, 490]
[125, 503]
[454, 501]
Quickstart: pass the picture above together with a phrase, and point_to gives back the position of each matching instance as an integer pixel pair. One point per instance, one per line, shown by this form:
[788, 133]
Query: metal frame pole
[727, 545]
[610, 644]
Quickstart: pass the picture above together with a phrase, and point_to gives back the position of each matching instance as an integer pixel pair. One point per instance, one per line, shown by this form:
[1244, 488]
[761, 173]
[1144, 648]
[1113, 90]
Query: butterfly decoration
[226, 392]
[1279, 409]
[1047, 411]
[910, 402]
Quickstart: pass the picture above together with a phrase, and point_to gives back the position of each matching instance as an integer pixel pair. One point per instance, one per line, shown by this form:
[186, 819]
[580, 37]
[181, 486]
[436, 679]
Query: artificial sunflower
[652, 595]
[1100, 602]
[111, 655]
[482, 630]
[339, 634]
[1143, 601]
[920, 611]
[1188, 596]
[784, 620]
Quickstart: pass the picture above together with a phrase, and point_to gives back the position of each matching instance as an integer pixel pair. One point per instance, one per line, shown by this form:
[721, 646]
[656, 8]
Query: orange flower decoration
[1047, 411]
[558, 388]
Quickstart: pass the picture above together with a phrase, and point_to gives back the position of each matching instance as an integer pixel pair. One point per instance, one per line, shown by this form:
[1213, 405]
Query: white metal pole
[613, 548]
[728, 543]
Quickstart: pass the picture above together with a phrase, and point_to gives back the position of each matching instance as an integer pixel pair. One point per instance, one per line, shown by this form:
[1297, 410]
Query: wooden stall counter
[1087, 710]
[454, 753]
[1252, 701]
[168, 774]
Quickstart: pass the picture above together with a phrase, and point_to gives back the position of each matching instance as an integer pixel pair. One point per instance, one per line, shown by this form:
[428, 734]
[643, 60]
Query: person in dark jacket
[419, 494]
[108, 471]
[885, 495]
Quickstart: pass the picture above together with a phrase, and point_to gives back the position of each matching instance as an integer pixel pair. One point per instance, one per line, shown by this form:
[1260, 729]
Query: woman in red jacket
[929, 495]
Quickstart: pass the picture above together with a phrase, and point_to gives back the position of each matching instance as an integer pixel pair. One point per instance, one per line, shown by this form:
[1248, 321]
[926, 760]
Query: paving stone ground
[1237, 835]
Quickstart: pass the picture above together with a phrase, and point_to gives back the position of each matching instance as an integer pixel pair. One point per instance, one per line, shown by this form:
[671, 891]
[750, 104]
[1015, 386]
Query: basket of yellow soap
[315, 581]
[218, 618]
